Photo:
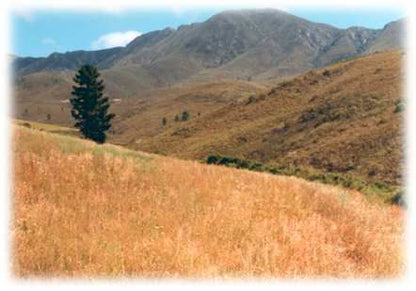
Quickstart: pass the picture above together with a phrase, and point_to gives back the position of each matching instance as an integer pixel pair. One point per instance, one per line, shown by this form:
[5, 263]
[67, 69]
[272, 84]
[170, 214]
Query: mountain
[250, 44]
[70, 61]
[391, 37]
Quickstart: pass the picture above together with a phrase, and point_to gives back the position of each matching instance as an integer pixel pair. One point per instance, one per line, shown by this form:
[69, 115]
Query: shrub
[185, 116]
[326, 73]
[325, 113]
[398, 199]
[308, 115]
[399, 108]
[212, 160]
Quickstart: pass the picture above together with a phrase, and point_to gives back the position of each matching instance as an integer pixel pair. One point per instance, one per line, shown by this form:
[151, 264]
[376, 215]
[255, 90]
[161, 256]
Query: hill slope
[341, 118]
[344, 118]
[84, 210]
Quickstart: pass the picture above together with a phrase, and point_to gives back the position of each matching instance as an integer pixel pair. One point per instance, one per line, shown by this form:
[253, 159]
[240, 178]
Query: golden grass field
[88, 211]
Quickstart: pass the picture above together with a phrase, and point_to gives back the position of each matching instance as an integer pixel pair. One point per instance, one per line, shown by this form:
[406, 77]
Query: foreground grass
[96, 211]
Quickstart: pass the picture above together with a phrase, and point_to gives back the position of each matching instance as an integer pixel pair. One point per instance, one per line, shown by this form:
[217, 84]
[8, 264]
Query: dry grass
[356, 132]
[82, 210]
[359, 135]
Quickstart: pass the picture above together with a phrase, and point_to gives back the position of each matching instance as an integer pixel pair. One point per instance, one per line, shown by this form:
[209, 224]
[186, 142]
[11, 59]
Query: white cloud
[24, 13]
[114, 39]
[48, 41]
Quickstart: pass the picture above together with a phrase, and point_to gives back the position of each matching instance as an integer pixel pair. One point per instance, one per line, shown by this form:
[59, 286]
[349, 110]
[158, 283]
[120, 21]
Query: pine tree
[164, 121]
[89, 106]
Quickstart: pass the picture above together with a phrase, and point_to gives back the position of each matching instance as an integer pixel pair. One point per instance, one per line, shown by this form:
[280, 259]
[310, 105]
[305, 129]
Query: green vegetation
[326, 73]
[399, 107]
[185, 116]
[89, 106]
[254, 98]
[326, 113]
[399, 199]
[164, 121]
[377, 189]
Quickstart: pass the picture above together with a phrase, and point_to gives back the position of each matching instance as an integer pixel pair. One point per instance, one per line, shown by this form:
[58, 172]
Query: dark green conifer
[89, 106]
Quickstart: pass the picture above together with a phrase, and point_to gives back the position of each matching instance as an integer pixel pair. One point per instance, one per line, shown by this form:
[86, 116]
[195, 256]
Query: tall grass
[98, 211]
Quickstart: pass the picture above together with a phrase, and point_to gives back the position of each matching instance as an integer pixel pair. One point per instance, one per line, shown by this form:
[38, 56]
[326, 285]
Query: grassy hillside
[86, 210]
[346, 118]
[138, 114]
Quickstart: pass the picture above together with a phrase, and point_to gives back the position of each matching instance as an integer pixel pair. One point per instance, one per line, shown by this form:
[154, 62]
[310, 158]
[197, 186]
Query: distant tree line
[184, 116]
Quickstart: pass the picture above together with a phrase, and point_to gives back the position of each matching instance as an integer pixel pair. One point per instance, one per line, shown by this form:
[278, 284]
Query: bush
[235, 163]
[185, 116]
[326, 73]
[399, 108]
[372, 173]
[212, 160]
[398, 199]
[325, 113]
[308, 115]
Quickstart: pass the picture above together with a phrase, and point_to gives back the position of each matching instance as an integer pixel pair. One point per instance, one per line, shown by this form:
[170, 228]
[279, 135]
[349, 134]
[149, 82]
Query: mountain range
[241, 44]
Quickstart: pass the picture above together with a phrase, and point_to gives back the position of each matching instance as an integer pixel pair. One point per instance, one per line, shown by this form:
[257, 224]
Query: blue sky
[41, 33]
